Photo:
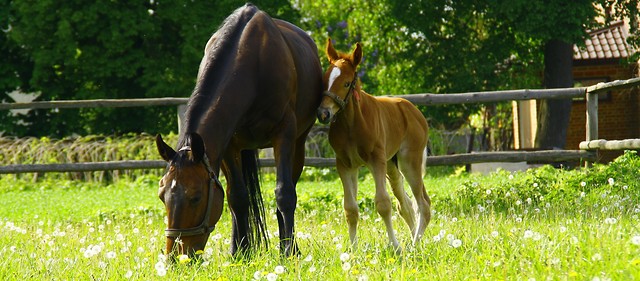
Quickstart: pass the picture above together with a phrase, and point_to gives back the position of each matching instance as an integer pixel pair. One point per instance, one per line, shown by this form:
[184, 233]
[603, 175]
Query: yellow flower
[391, 260]
[184, 259]
[199, 252]
[635, 261]
[573, 273]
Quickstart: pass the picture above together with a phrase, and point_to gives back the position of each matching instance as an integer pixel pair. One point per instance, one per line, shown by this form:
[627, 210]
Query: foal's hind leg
[410, 163]
[405, 207]
[383, 201]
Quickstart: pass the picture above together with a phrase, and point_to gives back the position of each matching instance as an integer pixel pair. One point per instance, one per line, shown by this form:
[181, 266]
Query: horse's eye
[195, 199]
[347, 84]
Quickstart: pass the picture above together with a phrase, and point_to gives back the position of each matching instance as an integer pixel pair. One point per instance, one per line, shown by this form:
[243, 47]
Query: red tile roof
[605, 43]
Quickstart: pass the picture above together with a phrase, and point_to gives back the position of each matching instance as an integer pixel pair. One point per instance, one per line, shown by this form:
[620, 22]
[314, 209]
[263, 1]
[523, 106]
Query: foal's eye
[347, 84]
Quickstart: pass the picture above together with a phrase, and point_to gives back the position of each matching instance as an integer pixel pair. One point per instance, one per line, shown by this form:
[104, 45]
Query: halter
[204, 227]
[342, 103]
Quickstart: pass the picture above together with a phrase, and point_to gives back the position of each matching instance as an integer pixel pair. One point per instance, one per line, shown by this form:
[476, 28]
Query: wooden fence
[586, 152]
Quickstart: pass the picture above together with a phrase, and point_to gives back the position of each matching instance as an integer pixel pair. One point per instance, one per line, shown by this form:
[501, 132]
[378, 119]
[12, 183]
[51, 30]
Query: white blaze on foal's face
[335, 73]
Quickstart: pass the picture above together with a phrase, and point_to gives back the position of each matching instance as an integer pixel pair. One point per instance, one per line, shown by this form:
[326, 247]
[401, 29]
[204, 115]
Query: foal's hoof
[397, 249]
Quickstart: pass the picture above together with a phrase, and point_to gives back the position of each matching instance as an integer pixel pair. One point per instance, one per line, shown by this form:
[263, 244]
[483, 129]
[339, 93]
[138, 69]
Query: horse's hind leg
[405, 207]
[411, 165]
[349, 178]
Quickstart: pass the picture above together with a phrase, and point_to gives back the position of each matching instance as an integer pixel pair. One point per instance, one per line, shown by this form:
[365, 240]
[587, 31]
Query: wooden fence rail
[445, 160]
[586, 152]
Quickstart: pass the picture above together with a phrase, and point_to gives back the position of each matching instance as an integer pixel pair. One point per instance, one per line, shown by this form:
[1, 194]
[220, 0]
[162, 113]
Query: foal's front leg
[349, 178]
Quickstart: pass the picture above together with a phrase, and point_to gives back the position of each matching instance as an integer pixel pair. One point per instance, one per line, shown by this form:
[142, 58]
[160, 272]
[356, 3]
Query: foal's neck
[352, 116]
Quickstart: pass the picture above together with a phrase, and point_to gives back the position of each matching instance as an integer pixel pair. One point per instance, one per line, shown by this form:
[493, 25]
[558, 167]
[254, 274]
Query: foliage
[106, 49]
[547, 184]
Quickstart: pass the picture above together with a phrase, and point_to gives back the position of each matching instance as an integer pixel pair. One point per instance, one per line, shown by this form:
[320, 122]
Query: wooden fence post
[181, 110]
[592, 119]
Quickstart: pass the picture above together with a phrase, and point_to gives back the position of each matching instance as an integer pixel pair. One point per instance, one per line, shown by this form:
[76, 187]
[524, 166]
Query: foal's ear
[356, 56]
[166, 152]
[197, 147]
[332, 55]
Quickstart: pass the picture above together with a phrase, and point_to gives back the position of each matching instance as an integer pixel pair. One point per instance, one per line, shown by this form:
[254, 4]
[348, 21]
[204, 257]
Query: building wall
[618, 111]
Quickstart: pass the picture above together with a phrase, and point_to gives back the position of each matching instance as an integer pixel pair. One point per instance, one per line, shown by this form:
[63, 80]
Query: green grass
[545, 224]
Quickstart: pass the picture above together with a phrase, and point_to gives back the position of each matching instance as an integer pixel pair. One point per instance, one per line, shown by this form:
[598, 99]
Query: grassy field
[545, 224]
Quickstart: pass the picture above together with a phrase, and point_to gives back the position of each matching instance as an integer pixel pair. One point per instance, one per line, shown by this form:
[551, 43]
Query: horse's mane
[218, 53]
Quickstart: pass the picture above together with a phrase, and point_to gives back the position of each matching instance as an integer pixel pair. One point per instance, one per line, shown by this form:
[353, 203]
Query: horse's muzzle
[324, 115]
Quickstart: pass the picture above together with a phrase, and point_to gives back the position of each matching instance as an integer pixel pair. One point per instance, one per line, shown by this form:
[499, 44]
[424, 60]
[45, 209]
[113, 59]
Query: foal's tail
[257, 233]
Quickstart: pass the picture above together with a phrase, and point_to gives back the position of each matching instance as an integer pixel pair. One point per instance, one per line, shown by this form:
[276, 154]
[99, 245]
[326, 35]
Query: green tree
[444, 46]
[107, 49]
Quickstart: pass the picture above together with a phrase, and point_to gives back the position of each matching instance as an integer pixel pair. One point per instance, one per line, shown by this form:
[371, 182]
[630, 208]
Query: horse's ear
[197, 147]
[356, 56]
[332, 55]
[166, 152]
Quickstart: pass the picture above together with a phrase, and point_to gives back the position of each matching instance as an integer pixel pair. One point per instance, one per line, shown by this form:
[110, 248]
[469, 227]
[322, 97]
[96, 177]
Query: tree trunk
[553, 114]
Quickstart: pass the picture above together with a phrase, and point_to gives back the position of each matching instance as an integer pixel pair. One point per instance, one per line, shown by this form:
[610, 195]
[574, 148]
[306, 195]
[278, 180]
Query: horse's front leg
[238, 199]
[285, 192]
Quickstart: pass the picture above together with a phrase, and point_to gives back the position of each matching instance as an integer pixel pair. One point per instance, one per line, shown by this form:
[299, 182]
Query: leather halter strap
[342, 103]
[204, 227]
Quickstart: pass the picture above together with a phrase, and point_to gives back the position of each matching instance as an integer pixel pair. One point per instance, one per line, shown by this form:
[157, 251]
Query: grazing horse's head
[192, 196]
[339, 81]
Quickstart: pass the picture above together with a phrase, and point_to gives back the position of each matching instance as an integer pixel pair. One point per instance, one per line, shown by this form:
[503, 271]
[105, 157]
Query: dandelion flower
[456, 243]
[184, 259]
[635, 240]
[610, 220]
[596, 257]
[128, 274]
[611, 181]
[272, 276]
[344, 257]
[312, 269]
[391, 260]
[583, 184]
[346, 266]
[111, 255]
[279, 269]
[308, 258]
[528, 234]
[494, 234]
[257, 275]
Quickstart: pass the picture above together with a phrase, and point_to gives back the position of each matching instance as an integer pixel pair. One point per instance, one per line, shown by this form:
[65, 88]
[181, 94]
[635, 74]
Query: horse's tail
[257, 233]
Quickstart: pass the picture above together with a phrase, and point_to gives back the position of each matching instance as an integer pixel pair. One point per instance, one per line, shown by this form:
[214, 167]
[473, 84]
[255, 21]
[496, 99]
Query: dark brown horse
[386, 134]
[258, 85]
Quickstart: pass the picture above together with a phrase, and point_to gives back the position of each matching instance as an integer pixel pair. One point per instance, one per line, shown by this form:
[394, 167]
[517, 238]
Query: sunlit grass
[115, 232]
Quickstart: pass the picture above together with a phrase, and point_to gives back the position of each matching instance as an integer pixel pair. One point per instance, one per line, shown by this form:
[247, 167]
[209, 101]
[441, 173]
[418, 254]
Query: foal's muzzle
[324, 115]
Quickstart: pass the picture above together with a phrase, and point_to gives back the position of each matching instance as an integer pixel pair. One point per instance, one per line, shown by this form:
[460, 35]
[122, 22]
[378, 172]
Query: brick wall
[618, 112]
